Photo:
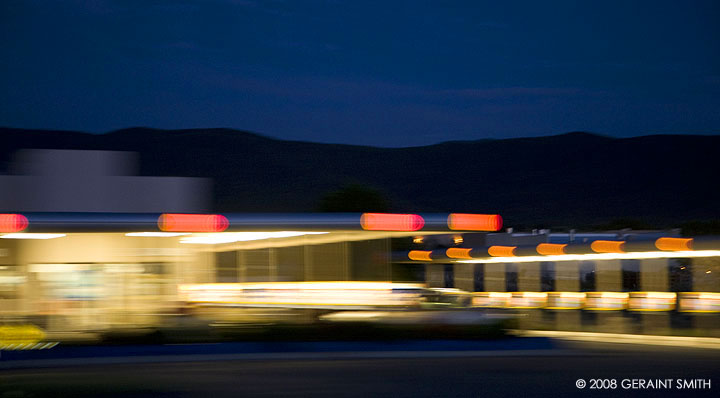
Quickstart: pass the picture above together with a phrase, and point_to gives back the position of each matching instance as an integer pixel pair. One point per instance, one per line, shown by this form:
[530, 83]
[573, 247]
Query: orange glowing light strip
[502, 251]
[456, 252]
[391, 222]
[608, 246]
[13, 222]
[420, 255]
[474, 222]
[192, 223]
[674, 244]
[551, 249]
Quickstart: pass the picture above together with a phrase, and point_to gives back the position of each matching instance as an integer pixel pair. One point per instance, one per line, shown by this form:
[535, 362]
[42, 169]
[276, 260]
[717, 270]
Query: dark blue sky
[378, 73]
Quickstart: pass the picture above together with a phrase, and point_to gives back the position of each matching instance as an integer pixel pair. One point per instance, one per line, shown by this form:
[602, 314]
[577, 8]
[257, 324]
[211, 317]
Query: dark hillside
[569, 179]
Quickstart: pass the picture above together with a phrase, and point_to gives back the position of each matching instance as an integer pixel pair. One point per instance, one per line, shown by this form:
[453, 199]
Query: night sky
[374, 73]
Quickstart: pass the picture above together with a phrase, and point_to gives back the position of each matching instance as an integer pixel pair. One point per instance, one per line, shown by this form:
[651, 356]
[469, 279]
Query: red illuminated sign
[192, 223]
[13, 222]
[391, 222]
[474, 222]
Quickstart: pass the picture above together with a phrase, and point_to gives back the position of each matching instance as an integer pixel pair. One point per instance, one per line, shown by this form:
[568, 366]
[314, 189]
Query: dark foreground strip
[85, 355]
[52, 363]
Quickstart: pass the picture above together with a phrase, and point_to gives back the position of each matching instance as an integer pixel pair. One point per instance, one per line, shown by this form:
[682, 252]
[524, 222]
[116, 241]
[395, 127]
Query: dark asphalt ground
[531, 375]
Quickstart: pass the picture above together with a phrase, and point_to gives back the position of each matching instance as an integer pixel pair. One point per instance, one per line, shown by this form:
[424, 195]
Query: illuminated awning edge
[596, 256]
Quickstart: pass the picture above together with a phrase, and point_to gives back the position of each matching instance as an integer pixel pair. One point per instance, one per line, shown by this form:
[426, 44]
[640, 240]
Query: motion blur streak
[608, 246]
[391, 222]
[601, 301]
[502, 251]
[699, 302]
[20, 336]
[491, 299]
[303, 294]
[528, 300]
[420, 255]
[456, 252]
[565, 300]
[192, 223]
[652, 301]
[674, 244]
[606, 301]
[474, 222]
[551, 249]
[12, 222]
[156, 234]
[674, 341]
[230, 237]
[597, 256]
[24, 235]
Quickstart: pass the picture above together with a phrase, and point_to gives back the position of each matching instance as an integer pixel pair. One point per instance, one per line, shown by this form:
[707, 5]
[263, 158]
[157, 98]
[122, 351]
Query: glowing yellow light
[418, 240]
[533, 294]
[362, 285]
[616, 295]
[652, 301]
[709, 296]
[606, 301]
[20, 336]
[699, 302]
[565, 300]
[660, 295]
[528, 300]
[596, 256]
[457, 239]
[608, 246]
[551, 249]
[575, 295]
[674, 244]
[420, 255]
[456, 252]
[491, 299]
[502, 251]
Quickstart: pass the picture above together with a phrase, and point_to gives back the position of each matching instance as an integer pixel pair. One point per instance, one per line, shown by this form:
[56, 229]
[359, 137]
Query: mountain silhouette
[562, 180]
